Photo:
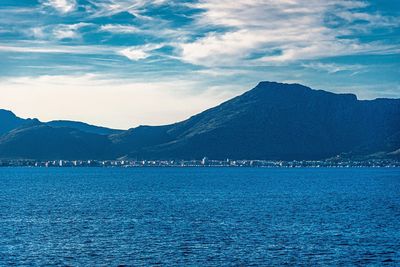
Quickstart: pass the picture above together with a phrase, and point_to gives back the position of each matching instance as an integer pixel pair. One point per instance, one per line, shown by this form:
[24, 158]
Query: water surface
[199, 216]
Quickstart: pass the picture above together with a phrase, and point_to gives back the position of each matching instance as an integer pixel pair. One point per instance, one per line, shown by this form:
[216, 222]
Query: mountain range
[274, 121]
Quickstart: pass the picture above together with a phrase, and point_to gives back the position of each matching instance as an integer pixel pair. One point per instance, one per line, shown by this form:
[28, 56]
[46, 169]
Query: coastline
[330, 163]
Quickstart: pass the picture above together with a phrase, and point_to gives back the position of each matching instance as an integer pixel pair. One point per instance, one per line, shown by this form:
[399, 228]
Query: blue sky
[122, 63]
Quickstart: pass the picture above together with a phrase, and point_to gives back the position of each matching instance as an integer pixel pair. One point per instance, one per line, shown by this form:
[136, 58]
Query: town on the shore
[205, 162]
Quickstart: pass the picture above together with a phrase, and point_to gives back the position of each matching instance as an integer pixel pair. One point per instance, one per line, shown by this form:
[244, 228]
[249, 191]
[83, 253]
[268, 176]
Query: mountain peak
[272, 84]
[296, 90]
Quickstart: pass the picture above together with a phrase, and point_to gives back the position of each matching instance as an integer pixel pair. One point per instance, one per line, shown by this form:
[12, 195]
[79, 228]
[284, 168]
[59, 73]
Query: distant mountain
[44, 142]
[32, 139]
[271, 121]
[83, 127]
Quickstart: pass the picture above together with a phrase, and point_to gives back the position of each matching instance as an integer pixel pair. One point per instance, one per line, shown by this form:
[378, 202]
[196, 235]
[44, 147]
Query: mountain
[84, 127]
[9, 121]
[275, 121]
[271, 121]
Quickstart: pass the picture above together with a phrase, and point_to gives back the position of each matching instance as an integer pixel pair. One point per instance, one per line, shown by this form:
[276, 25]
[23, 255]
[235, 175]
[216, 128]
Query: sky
[124, 63]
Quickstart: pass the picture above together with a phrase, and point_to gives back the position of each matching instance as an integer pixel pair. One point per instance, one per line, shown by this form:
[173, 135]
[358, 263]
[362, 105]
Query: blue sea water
[199, 217]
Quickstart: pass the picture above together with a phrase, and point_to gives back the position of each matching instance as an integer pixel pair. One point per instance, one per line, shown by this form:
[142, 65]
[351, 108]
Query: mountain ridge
[272, 121]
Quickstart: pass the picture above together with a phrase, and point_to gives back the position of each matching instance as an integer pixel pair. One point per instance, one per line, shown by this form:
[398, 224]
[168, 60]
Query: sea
[199, 217]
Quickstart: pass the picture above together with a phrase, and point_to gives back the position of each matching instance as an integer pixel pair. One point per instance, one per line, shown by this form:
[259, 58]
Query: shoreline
[330, 163]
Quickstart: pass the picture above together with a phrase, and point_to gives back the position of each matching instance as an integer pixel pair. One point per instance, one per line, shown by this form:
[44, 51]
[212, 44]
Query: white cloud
[119, 103]
[281, 30]
[62, 6]
[139, 52]
[134, 53]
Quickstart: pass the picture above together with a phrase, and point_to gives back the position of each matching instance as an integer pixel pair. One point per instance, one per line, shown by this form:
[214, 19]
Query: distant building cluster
[205, 162]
